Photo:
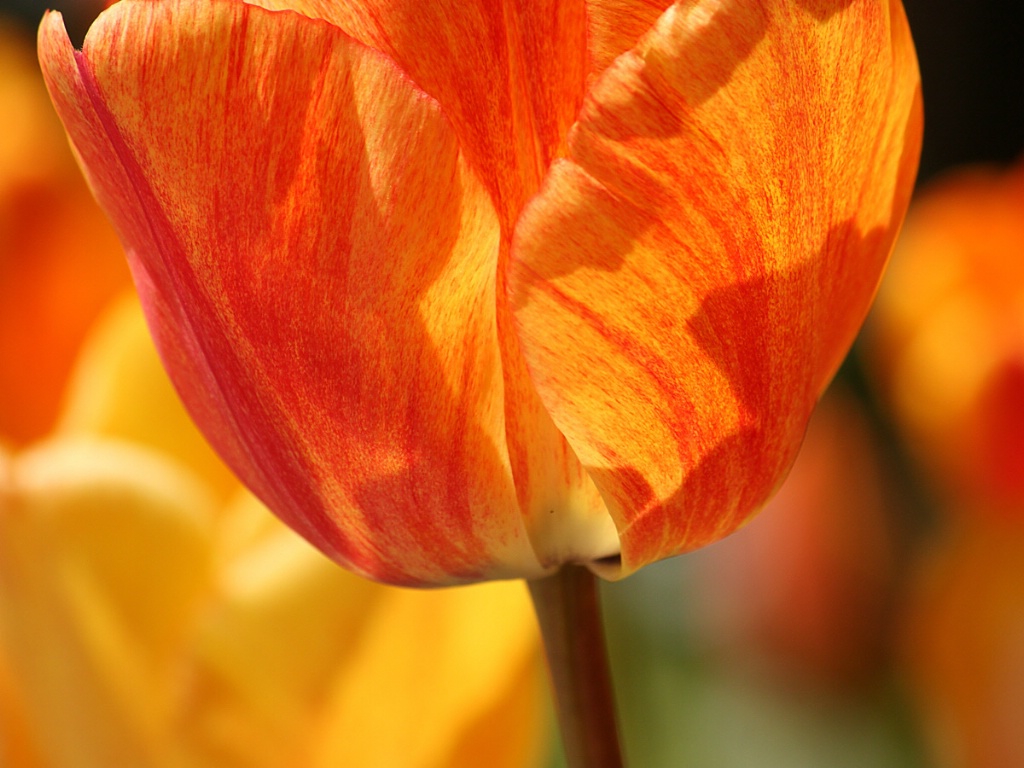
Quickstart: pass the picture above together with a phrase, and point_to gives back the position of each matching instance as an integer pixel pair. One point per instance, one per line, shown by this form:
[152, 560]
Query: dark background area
[972, 69]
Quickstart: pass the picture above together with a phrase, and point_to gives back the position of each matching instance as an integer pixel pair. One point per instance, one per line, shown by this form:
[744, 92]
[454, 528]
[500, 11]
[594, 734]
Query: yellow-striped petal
[616, 26]
[687, 282]
[509, 74]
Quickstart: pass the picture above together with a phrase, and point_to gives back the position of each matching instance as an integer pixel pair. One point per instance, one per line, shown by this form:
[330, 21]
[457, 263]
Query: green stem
[569, 613]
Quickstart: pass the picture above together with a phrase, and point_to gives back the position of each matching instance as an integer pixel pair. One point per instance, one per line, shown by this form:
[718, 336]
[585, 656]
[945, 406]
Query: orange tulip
[471, 290]
[948, 335]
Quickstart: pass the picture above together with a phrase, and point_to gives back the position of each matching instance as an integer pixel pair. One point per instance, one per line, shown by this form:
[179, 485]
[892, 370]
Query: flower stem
[569, 613]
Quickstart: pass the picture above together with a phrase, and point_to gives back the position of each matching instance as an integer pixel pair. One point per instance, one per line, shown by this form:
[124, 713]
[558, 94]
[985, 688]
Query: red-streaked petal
[616, 26]
[687, 283]
[317, 266]
[509, 74]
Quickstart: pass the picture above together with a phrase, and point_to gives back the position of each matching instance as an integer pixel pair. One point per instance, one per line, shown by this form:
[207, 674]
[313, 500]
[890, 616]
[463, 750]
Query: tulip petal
[688, 281]
[509, 74]
[617, 25]
[317, 265]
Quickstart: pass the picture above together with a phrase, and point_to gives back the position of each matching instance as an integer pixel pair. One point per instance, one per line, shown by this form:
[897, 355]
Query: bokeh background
[873, 615]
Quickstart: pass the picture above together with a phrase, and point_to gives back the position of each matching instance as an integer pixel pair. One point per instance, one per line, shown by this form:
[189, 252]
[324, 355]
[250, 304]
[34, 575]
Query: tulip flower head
[471, 290]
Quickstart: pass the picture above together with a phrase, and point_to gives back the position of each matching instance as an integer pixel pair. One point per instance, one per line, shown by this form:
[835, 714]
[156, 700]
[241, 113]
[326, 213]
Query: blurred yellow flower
[152, 613]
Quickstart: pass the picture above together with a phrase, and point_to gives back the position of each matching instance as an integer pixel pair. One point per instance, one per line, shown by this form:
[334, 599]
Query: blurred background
[873, 615]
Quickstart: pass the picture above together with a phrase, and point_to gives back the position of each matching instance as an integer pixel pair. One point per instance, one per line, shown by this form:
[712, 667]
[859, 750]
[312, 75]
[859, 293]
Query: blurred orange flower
[806, 588]
[964, 644]
[60, 260]
[947, 334]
